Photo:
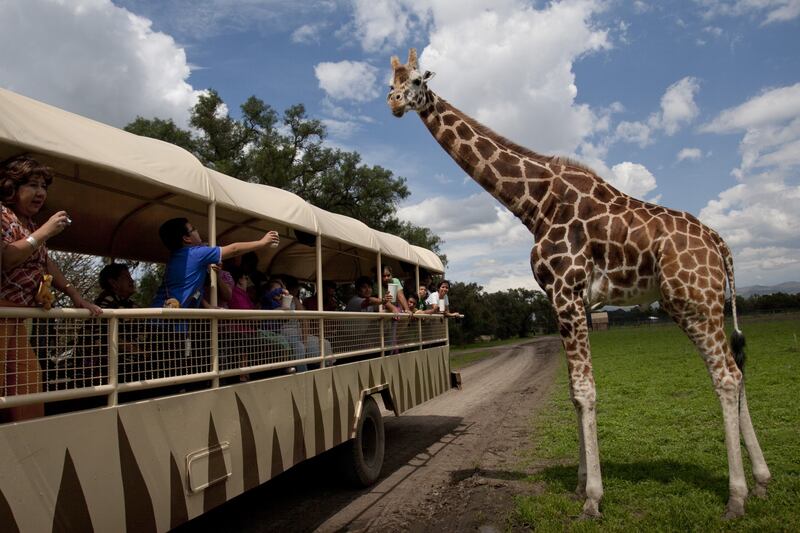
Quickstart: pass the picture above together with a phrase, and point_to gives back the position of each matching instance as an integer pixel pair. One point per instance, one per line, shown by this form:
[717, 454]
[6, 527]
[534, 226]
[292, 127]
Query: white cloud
[759, 217]
[771, 10]
[760, 213]
[446, 215]
[634, 132]
[380, 24]
[307, 34]
[348, 80]
[677, 105]
[481, 51]
[204, 19]
[775, 105]
[678, 108]
[482, 239]
[341, 129]
[632, 178]
[95, 59]
[690, 154]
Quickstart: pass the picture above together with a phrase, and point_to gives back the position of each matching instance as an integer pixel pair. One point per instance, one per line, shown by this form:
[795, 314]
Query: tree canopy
[289, 151]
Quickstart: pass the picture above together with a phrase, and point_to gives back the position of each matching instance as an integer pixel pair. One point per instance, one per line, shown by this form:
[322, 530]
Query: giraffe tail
[737, 338]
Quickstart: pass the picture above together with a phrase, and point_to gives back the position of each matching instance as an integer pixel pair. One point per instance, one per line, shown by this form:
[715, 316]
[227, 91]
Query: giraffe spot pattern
[594, 243]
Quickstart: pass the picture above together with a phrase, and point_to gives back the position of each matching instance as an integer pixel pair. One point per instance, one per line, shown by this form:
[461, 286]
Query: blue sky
[693, 104]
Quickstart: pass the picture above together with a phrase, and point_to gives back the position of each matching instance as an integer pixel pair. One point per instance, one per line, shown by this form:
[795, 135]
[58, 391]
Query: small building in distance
[599, 321]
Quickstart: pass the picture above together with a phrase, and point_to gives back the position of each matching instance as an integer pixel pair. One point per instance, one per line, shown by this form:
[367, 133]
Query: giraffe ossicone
[595, 245]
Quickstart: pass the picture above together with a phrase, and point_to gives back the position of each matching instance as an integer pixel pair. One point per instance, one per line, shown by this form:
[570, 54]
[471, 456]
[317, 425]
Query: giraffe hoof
[759, 491]
[591, 509]
[735, 509]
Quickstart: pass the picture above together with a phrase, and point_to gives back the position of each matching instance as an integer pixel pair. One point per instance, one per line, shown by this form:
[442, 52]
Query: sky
[692, 104]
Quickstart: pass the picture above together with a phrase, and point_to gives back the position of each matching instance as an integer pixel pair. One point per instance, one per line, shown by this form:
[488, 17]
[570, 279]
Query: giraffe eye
[417, 81]
[391, 87]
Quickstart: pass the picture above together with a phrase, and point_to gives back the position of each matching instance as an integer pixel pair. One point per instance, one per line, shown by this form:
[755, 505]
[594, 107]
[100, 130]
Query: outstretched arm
[240, 248]
[61, 283]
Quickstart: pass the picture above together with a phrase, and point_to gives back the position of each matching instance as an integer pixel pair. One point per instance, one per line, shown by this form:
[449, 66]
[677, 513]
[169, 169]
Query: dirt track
[450, 463]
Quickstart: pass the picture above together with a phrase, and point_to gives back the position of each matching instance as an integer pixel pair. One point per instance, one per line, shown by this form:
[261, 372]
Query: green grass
[458, 361]
[662, 446]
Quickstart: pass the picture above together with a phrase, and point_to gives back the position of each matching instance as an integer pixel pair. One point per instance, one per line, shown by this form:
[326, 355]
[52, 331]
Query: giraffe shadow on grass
[659, 471]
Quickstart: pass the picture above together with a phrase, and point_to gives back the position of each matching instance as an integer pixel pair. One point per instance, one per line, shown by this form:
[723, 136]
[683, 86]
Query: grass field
[662, 447]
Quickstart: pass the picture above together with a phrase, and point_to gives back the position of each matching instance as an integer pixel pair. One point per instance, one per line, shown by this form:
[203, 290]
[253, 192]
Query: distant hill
[790, 287]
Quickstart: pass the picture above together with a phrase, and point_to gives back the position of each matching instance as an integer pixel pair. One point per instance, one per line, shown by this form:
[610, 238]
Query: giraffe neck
[520, 179]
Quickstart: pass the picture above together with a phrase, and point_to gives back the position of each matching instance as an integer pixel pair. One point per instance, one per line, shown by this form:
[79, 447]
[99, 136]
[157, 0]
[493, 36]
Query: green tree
[479, 319]
[289, 151]
[165, 130]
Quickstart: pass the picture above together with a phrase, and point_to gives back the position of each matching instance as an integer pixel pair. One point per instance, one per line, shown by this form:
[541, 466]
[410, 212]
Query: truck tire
[363, 455]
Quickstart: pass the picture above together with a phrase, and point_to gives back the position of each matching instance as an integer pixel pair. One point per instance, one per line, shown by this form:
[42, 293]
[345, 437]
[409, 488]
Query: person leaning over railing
[438, 301]
[23, 191]
[238, 337]
[116, 289]
[185, 275]
[362, 300]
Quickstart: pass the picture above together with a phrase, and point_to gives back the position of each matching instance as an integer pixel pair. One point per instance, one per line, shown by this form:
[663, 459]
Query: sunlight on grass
[458, 361]
[662, 447]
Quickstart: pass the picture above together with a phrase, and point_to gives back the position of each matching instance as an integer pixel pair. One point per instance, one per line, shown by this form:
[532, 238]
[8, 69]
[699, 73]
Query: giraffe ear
[395, 62]
[412, 58]
[428, 75]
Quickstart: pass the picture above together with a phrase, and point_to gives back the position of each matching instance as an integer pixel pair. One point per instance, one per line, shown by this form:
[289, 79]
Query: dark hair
[109, 272]
[19, 170]
[250, 260]
[291, 282]
[172, 233]
[442, 283]
[235, 271]
[387, 268]
[363, 280]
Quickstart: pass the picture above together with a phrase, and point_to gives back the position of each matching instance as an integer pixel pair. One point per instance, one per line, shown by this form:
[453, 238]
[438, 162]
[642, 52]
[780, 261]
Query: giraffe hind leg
[761, 473]
[706, 331]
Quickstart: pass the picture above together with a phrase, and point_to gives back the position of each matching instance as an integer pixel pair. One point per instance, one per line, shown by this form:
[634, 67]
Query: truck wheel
[364, 453]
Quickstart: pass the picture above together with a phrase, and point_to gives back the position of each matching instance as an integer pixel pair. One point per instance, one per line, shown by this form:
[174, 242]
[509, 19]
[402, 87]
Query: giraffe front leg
[580, 489]
[575, 336]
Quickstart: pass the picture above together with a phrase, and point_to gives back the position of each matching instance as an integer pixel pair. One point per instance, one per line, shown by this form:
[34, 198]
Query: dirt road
[451, 463]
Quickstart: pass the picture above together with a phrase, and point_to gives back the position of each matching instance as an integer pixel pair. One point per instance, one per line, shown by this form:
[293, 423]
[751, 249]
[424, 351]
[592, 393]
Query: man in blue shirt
[190, 259]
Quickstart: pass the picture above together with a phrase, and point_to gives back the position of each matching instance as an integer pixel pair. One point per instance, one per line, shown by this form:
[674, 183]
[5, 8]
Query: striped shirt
[21, 283]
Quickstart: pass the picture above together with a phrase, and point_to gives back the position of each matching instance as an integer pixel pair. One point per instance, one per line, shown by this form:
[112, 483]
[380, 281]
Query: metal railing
[65, 353]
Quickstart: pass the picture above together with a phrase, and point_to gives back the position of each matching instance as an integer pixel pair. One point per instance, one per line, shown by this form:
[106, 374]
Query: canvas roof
[118, 187]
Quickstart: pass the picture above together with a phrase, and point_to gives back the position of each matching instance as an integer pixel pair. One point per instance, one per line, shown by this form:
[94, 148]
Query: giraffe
[595, 245]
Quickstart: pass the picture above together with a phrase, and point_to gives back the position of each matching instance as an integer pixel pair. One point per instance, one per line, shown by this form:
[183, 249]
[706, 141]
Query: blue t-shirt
[186, 274]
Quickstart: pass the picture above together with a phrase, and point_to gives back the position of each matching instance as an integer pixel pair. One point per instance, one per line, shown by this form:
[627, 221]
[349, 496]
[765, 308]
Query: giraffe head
[409, 85]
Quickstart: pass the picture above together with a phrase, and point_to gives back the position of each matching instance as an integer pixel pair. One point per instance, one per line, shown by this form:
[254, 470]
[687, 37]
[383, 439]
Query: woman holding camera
[23, 191]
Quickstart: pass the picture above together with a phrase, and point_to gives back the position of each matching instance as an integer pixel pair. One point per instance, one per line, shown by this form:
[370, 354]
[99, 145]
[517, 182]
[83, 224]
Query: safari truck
[146, 439]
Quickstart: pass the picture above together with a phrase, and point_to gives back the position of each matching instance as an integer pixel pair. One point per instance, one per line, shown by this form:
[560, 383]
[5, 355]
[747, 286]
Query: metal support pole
[215, 352]
[379, 275]
[113, 359]
[320, 304]
[212, 241]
